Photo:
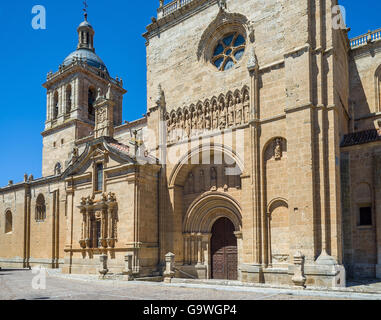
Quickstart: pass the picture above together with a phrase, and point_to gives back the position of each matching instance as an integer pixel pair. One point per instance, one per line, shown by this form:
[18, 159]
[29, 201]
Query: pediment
[100, 149]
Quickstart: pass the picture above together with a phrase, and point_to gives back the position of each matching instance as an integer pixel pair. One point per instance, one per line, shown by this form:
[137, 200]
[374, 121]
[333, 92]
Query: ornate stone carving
[226, 112]
[93, 212]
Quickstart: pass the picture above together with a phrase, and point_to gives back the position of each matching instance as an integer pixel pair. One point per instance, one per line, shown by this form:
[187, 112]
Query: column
[239, 237]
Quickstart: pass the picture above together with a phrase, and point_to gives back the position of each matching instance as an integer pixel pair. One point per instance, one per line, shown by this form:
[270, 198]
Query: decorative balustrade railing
[172, 7]
[369, 37]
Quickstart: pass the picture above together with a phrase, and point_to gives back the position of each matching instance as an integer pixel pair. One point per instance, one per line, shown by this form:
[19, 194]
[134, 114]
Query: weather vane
[85, 8]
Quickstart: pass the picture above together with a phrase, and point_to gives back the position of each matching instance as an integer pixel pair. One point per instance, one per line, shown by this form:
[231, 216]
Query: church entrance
[224, 251]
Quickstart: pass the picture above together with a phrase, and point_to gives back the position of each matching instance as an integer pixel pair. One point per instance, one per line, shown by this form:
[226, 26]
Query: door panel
[224, 251]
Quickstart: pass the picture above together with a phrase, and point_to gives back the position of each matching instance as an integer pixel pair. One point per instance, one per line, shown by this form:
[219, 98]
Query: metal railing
[365, 39]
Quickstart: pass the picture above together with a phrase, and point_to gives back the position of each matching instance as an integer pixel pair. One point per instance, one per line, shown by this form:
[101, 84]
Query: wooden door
[224, 251]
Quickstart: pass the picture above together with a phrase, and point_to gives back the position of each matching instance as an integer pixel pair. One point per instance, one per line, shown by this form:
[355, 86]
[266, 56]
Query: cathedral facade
[259, 157]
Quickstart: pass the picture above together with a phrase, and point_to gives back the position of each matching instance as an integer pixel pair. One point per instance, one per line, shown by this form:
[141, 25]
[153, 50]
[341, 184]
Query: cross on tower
[85, 8]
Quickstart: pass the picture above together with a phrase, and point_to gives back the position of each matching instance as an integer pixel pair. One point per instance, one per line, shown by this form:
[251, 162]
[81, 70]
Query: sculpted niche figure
[207, 119]
[278, 152]
[194, 123]
[246, 107]
[231, 112]
[215, 116]
[200, 124]
[222, 117]
[238, 111]
[179, 127]
[187, 125]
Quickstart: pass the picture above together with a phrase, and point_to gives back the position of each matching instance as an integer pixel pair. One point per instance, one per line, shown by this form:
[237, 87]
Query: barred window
[228, 51]
[40, 208]
[99, 177]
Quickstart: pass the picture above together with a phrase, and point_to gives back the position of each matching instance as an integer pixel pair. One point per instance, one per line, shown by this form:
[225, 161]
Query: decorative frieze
[226, 112]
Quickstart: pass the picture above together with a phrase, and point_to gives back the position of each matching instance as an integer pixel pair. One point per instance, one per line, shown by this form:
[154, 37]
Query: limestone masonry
[259, 158]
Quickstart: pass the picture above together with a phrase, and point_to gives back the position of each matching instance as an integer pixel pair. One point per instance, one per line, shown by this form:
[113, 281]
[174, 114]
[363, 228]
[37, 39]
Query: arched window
[40, 208]
[55, 106]
[68, 99]
[57, 169]
[8, 222]
[91, 100]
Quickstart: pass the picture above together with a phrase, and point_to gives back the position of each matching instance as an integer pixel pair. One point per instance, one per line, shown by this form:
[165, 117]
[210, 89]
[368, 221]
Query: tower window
[91, 100]
[99, 177]
[55, 106]
[8, 222]
[366, 216]
[57, 169]
[68, 99]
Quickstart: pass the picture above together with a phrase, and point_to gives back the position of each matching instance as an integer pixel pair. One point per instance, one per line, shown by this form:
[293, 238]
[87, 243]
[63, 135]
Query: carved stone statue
[215, 117]
[231, 113]
[278, 152]
[207, 120]
[200, 122]
[187, 125]
[222, 118]
[194, 123]
[222, 5]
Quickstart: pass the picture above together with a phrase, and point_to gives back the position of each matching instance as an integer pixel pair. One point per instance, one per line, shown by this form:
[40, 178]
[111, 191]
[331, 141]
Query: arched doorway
[224, 250]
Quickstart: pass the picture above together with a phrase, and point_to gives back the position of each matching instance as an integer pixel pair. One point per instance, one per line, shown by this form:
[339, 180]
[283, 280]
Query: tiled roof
[120, 147]
[361, 137]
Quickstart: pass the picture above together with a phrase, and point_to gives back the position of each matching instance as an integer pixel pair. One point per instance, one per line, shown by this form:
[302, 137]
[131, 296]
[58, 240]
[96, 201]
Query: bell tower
[71, 95]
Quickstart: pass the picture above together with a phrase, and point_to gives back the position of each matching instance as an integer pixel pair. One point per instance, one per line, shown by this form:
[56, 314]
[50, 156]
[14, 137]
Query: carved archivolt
[207, 209]
[226, 111]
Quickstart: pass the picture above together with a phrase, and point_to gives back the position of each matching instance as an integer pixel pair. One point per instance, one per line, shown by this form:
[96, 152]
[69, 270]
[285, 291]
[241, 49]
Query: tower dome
[85, 49]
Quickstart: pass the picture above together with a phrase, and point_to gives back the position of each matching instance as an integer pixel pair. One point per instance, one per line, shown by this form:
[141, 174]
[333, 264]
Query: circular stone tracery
[228, 51]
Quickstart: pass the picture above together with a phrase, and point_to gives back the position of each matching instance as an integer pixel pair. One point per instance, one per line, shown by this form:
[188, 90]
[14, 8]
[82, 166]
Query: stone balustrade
[371, 36]
[171, 7]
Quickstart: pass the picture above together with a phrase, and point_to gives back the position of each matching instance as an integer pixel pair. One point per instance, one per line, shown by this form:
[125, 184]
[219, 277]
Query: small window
[57, 169]
[55, 106]
[99, 177]
[366, 216]
[91, 100]
[68, 100]
[8, 222]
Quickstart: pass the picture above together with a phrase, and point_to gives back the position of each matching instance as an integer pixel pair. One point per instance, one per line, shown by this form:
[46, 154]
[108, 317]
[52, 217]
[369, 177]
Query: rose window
[228, 51]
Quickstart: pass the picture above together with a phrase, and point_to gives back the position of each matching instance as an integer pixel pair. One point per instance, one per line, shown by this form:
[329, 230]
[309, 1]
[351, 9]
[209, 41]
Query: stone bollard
[103, 269]
[128, 266]
[169, 273]
[299, 279]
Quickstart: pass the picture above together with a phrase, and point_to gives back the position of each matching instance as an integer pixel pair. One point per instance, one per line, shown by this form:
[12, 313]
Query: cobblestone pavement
[17, 285]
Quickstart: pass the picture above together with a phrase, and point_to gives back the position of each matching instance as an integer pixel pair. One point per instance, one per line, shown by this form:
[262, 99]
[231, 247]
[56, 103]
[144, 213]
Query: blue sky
[27, 55]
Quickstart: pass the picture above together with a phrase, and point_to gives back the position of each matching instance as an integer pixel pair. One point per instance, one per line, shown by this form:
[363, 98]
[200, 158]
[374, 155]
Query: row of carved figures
[218, 114]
